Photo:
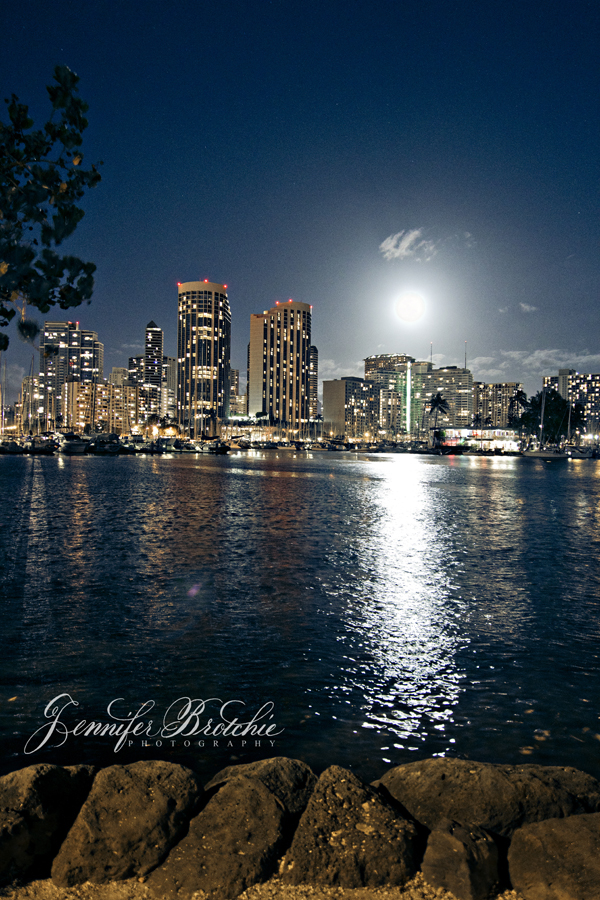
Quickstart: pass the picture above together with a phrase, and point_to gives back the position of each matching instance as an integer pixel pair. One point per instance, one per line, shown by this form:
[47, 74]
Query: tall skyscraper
[203, 356]
[313, 379]
[153, 355]
[153, 370]
[67, 353]
[279, 364]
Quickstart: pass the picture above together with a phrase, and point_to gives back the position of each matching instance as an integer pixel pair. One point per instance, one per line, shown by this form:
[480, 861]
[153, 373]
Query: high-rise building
[168, 392]
[153, 355]
[279, 364]
[109, 407]
[390, 362]
[67, 353]
[495, 403]
[350, 408]
[203, 357]
[456, 387]
[579, 389]
[313, 380]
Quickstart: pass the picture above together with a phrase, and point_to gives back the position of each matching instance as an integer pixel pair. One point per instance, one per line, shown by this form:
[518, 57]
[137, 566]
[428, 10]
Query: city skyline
[343, 158]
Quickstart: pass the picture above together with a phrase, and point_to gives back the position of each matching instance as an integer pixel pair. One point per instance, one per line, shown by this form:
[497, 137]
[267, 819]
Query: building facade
[203, 357]
[279, 364]
[495, 403]
[108, 408]
[350, 408]
[67, 353]
[168, 391]
[579, 389]
[456, 387]
[313, 382]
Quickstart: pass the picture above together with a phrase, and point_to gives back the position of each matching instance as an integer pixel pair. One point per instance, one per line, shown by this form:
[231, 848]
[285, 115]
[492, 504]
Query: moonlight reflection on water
[389, 606]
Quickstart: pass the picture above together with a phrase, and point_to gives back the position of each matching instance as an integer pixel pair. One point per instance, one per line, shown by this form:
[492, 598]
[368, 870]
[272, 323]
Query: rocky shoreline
[430, 829]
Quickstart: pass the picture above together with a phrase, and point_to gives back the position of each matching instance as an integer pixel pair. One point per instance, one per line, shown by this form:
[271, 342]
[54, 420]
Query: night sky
[339, 154]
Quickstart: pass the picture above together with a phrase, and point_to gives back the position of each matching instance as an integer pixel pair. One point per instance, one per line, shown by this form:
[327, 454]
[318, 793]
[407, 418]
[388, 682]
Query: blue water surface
[371, 610]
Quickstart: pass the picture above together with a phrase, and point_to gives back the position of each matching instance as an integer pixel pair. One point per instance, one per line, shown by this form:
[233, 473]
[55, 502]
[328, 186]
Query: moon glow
[410, 307]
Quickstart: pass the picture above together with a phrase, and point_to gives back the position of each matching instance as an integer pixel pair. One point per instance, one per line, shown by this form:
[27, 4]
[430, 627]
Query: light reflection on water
[388, 605]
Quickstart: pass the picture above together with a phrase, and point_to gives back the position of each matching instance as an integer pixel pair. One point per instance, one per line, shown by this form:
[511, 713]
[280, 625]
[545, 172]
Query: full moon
[410, 307]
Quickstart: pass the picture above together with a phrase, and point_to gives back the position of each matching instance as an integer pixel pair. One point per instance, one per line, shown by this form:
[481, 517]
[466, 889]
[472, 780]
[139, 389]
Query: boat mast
[542, 418]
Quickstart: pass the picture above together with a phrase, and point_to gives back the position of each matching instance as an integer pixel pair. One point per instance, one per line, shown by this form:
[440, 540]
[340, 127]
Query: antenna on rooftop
[465, 354]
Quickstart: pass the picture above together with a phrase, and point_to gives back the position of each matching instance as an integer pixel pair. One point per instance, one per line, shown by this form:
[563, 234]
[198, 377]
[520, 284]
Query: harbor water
[364, 610]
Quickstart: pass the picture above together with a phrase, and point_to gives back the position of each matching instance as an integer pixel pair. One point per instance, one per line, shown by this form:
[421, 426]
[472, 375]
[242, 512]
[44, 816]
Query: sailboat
[549, 454]
[576, 451]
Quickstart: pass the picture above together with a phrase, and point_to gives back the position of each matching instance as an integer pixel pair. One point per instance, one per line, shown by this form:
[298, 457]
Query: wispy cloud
[132, 347]
[527, 308]
[408, 245]
[412, 244]
[503, 309]
[543, 361]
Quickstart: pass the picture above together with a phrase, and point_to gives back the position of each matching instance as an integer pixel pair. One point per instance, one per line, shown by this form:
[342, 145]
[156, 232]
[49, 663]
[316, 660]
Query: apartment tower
[203, 357]
[279, 364]
[67, 353]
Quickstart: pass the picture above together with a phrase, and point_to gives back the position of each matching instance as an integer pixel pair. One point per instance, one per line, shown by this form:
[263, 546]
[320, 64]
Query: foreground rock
[496, 798]
[132, 817]
[291, 780]
[37, 807]
[349, 836]
[232, 844]
[462, 860]
[558, 859]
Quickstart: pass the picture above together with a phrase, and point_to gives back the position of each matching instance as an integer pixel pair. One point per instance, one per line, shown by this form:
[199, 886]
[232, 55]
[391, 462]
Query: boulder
[350, 836]
[497, 798]
[232, 844]
[132, 817]
[558, 859]
[462, 860]
[37, 807]
[291, 780]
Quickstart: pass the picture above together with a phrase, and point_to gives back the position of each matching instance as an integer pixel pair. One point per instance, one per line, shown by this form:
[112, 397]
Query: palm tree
[438, 405]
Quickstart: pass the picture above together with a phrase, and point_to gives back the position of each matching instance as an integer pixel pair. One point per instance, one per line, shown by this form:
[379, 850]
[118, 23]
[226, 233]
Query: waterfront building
[153, 370]
[403, 393]
[582, 389]
[279, 364]
[495, 403]
[313, 382]
[420, 397]
[67, 353]
[203, 357]
[350, 408]
[109, 408]
[456, 387]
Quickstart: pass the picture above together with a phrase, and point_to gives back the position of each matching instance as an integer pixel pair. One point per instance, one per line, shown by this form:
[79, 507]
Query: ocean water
[364, 610]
